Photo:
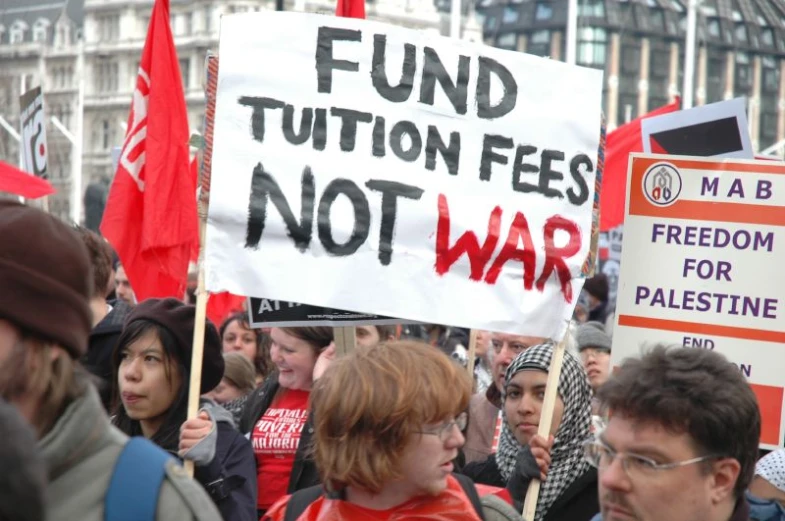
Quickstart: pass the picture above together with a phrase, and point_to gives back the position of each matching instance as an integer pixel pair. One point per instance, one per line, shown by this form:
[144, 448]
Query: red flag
[620, 143]
[221, 305]
[350, 8]
[150, 216]
[18, 182]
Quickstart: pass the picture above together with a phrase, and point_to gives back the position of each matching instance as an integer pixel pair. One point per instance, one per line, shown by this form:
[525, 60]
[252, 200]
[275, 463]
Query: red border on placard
[704, 210]
[745, 333]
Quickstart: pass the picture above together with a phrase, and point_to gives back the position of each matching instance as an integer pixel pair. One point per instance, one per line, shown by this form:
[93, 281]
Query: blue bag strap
[136, 482]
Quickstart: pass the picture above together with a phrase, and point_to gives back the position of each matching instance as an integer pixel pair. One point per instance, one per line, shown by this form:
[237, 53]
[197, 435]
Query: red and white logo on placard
[662, 184]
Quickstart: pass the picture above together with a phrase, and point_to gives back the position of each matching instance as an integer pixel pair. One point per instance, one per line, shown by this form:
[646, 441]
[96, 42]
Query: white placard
[702, 267]
[398, 177]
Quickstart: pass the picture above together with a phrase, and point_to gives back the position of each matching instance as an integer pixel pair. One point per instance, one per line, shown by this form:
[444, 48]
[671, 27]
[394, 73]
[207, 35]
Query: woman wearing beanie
[238, 382]
[238, 336]
[569, 487]
[276, 416]
[152, 362]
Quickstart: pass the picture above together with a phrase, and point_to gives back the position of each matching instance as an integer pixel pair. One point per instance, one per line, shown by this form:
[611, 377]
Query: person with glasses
[485, 408]
[681, 440]
[386, 432]
[568, 490]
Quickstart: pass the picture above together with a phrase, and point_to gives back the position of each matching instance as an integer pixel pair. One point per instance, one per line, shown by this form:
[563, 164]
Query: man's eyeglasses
[445, 430]
[514, 347]
[601, 456]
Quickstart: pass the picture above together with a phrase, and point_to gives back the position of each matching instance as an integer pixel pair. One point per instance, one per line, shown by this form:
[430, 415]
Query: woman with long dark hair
[151, 364]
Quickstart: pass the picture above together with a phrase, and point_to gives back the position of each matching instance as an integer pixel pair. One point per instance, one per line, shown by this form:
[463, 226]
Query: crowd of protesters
[397, 429]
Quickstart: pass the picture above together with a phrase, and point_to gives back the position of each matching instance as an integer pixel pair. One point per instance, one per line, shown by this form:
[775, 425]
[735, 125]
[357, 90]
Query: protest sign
[702, 267]
[33, 132]
[263, 312]
[714, 130]
[376, 168]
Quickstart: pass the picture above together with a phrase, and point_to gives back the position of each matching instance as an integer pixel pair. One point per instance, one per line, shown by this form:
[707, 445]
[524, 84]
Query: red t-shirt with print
[275, 439]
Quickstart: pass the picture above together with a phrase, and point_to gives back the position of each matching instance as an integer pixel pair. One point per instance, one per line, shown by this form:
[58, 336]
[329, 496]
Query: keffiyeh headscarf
[772, 468]
[567, 458]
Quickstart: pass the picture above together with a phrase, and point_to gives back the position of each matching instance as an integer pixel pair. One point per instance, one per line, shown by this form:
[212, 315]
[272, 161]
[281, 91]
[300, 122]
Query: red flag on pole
[221, 305]
[150, 215]
[619, 145]
[350, 8]
[18, 182]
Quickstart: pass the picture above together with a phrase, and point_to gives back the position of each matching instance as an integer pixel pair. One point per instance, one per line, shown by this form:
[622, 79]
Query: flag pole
[546, 420]
[197, 355]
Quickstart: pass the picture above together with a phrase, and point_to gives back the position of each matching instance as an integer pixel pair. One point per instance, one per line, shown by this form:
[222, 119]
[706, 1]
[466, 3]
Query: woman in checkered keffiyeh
[569, 491]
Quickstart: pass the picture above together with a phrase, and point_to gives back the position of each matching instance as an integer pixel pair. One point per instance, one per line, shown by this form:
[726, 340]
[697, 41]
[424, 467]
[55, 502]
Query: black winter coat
[304, 473]
[230, 479]
[103, 339]
[579, 502]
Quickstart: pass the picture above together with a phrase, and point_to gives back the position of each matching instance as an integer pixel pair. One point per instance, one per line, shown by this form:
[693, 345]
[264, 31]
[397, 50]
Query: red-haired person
[385, 438]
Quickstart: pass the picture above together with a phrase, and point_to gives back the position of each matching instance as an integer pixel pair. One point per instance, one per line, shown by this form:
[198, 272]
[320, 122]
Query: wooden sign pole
[195, 380]
[472, 352]
[546, 420]
[345, 339]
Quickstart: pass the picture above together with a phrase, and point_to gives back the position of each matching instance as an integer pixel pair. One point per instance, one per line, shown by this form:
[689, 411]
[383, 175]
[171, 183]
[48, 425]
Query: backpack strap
[471, 492]
[301, 500]
[136, 482]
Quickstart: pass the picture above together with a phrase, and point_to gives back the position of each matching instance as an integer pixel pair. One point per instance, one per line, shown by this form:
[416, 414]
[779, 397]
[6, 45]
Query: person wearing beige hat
[45, 322]
[238, 382]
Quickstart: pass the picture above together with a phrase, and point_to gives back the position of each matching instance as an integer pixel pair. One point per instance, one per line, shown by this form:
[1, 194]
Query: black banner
[264, 312]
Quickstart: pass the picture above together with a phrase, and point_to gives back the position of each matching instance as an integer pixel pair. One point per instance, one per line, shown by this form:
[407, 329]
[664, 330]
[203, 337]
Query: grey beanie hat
[592, 334]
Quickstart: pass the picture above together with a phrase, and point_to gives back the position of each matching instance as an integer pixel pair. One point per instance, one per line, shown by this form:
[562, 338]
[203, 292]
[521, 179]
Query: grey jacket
[80, 453]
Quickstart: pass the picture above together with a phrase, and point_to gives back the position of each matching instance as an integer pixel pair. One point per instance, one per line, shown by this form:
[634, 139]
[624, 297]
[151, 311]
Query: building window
[208, 18]
[185, 72]
[490, 23]
[771, 75]
[543, 11]
[188, 21]
[539, 43]
[715, 77]
[106, 76]
[631, 59]
[713, 26]
[108, 28]
[743, 75]
[657, 19]
[659, 74]
[507, 41]
[767, 37]
[40, 31]
[592, 45]
[105, 138]
[510, 15]
[741, 33]
[592, 8]
[768, 129]
[17, 32]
